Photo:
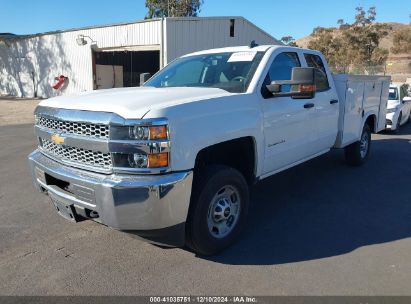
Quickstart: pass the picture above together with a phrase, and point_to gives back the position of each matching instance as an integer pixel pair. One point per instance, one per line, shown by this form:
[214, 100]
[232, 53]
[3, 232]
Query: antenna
[253, 44]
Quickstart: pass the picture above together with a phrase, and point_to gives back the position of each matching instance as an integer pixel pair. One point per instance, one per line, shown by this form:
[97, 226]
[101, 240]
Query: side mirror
[143, 78]
[406, 99]
[302, 84]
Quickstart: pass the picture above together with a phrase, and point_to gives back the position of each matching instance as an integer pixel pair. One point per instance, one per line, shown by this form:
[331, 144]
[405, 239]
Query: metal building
[113, 55]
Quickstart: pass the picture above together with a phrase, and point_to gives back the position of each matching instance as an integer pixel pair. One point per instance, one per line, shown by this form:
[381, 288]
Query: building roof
[7, 36]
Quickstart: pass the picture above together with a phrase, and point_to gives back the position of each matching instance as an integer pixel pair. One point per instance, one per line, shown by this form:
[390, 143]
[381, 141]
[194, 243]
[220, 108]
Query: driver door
[286, 121]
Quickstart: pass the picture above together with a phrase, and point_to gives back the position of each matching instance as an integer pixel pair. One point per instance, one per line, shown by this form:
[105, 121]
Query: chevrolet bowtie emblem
[57, 139]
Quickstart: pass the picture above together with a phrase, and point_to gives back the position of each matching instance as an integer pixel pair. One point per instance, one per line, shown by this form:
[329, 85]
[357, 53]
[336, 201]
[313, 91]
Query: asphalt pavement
[321, 228]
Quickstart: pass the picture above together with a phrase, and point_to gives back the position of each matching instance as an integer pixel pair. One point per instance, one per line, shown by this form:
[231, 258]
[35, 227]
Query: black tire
[398, 127]
[206, 186]
[354, 155]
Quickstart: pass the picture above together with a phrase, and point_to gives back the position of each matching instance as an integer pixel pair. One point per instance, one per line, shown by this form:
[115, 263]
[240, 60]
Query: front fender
[197, 125]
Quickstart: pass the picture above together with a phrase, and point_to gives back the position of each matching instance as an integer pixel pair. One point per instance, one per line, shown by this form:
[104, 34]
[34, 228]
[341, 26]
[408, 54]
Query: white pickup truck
[172, 161]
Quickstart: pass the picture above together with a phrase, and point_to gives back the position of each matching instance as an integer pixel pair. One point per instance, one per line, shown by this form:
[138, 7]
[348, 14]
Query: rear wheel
[218, 209]
[398, 125]
[357, 153]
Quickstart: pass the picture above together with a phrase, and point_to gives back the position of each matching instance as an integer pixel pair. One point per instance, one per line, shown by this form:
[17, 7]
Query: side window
[321, 81]
[393, 94]
[280, 69]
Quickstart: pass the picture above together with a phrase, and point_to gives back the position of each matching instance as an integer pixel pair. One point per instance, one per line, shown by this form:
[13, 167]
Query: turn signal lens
[158, 132]
[158, 160]
[305, 88]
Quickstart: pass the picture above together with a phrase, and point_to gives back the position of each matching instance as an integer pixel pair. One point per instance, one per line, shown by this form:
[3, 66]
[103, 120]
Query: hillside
[398, 65]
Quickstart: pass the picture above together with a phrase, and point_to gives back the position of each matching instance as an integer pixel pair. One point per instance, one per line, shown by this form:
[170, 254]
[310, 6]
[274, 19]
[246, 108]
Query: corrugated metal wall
[187, 35]
[50, 55]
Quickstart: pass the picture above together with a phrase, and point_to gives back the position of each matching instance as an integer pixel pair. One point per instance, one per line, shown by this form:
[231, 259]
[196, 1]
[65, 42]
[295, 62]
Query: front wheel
[357, 153]
[218, 210]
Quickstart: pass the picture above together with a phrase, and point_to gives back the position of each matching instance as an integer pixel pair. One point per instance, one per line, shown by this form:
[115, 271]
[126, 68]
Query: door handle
[333, 101]
[308, 105]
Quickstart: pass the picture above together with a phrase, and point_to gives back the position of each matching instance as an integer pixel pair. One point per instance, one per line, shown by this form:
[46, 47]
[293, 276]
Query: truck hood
[133, 103]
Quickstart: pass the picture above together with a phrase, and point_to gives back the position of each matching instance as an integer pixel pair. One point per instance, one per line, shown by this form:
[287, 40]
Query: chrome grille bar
[77, 155]
[77, 128]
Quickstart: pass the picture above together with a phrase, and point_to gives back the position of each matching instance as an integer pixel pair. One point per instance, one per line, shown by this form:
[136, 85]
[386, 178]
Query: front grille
[81, 156]
[77, 128]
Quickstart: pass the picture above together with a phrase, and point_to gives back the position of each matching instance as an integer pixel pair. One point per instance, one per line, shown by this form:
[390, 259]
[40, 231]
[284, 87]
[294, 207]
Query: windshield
[228, 71]
[393, 94]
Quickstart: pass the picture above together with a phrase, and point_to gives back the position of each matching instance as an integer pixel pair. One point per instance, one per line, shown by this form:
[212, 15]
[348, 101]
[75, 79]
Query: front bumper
[153, 206]
[391, 120]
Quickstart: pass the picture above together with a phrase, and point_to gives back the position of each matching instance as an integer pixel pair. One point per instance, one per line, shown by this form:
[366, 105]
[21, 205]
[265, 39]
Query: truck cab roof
[260, 48]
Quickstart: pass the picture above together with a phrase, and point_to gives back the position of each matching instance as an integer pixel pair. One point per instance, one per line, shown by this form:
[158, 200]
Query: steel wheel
[364, 144]
[357, 153]
[218, 210]
[224, 212]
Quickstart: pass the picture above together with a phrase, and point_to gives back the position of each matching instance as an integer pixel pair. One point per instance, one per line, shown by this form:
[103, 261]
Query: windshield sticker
[242, 56]
[392, 91]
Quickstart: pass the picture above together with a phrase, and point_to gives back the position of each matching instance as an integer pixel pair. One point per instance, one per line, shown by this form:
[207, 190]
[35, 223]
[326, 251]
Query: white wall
[187, 35]
[51, 55]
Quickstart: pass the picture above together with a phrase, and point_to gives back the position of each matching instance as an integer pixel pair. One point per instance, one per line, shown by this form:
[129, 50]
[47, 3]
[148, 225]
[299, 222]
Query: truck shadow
[324, 208]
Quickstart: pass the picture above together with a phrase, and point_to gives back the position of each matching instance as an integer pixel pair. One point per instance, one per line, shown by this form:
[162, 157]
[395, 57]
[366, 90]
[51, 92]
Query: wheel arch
[239, 153]
[372, 121]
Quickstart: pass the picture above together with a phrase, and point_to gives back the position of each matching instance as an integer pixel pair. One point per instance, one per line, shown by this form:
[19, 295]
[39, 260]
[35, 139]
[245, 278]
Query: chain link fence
[399, 71]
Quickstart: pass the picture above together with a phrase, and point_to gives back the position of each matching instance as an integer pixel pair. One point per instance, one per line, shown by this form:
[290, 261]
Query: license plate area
[65, 210]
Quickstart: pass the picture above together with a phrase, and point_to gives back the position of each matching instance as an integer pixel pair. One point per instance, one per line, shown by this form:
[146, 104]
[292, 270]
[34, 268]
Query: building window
[232, 27]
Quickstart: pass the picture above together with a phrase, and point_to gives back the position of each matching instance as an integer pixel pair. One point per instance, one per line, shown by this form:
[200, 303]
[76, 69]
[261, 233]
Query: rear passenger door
[325, 116]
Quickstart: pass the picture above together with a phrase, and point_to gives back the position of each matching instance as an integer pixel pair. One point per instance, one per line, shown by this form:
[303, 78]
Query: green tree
[173, 8]
[288, 40]
[353, 45]
[402, 41]
[332, 46]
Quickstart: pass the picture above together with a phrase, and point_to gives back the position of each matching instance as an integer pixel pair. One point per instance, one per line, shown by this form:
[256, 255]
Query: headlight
[141, 147]
[142, 161]
[138, 160]
[139, 133]
[148, 133]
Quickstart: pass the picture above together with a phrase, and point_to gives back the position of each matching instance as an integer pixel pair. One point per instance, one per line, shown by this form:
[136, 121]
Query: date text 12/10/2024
[204, 299]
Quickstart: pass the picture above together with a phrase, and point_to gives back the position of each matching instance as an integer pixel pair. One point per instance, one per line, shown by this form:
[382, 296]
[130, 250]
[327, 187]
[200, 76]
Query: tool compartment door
[353, 108]
[385, 86]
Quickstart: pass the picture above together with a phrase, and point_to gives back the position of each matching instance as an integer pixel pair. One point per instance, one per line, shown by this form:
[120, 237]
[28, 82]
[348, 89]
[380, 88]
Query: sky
[279, 18]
